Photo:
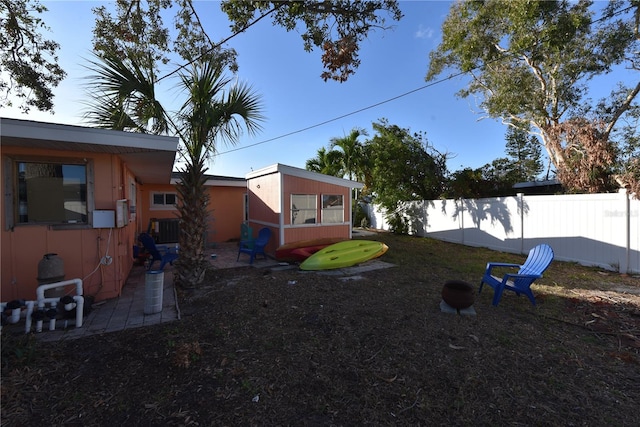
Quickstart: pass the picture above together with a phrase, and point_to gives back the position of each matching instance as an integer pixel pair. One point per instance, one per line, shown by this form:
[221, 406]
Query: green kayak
[344, 254]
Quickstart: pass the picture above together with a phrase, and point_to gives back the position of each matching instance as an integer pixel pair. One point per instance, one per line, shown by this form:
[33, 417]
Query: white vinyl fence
[600, 230]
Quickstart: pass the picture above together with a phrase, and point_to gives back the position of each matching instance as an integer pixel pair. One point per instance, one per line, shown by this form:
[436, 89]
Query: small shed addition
[298, 204]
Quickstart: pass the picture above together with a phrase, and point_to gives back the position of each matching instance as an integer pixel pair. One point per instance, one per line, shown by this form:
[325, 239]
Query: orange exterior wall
[226, 207]
[270, 201]
[264, 207]
[144, 205]
[80, 248]
[297, 185]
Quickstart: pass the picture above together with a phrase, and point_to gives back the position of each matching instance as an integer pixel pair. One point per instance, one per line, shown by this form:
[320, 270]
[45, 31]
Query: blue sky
[394, 62]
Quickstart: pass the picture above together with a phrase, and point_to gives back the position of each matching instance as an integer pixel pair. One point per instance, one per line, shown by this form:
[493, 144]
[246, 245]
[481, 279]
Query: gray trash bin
[153, 289]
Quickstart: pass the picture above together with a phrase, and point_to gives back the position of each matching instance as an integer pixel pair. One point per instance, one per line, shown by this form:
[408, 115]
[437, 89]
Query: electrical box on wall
[104, 219]
[122, 212]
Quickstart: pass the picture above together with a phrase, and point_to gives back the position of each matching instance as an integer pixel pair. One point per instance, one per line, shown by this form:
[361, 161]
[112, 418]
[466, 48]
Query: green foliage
[29, 63]
[468, 184]
[497, 178]
[351, 153]
[338, 27]
[216, 110]
[524, 156]
[328, 162]
[403, 166]
[531, 61]
[397, 223]
[122, 96]
[137, 32]
[131, 45]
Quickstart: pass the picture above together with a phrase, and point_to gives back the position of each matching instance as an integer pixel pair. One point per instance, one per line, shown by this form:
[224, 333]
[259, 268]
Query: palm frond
[127, 87]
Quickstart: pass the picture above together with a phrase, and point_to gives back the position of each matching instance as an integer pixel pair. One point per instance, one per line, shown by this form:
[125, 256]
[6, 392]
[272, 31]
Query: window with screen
[303, 209]
[160, 201]
[49, 192]
[332, 208]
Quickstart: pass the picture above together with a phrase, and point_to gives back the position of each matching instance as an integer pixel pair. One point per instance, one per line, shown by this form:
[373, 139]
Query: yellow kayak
[344, 254]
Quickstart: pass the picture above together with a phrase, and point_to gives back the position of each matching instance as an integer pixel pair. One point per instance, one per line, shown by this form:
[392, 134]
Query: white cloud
[424, 33]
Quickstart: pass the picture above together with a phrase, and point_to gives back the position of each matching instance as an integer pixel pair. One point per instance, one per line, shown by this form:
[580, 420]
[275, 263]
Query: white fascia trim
[303, 173]
[84, 135]
[217, 183]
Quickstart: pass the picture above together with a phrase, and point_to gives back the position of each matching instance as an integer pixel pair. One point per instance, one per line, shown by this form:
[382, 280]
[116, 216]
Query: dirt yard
[257, 347]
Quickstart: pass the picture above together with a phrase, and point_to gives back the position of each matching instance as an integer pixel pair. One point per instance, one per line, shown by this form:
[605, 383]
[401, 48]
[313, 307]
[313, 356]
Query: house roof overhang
[215, 180]
[303, 173]
[149, 157]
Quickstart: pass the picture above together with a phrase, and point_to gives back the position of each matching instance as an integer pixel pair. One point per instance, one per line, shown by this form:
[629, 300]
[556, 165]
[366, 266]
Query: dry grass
[262, 347]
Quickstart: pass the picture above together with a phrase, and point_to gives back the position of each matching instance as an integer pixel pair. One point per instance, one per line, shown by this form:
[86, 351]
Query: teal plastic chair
[537, 262]
[259, 245]
[246, 235]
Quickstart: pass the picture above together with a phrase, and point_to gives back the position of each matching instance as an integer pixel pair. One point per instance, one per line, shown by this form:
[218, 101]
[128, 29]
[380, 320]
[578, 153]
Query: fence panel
[592, 229]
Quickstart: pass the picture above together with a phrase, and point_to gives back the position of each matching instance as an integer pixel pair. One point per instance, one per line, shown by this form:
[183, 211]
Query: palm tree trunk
[192, 264]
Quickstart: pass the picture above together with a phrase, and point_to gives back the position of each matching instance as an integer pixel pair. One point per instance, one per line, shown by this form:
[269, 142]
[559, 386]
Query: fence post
[627, 226]
[461, 201]
[520, 197]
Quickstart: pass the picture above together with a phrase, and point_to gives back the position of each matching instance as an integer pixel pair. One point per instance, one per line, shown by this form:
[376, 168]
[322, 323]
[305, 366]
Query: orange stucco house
[227, 209]
[85, 194]
[76, 192]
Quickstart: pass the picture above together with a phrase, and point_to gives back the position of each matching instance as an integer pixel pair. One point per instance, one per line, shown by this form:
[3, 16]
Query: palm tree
[352, 152]
[215, 111]
[122, 96]
[326, 162]
[353, 159]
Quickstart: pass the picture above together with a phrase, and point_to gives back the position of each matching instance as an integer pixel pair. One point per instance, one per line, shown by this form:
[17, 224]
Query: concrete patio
[127, 311]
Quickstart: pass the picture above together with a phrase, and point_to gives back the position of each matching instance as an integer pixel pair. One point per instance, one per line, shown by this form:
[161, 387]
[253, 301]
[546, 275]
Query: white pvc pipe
[79, 299]
[40, 290]
[52, 302]
[27, 322]
[52, 322]
[15, 315]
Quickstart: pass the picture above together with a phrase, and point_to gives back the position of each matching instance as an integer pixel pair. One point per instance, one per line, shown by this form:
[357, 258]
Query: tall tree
[328, 162]
[352, 152]
[28, 61]
[216, 110]
[530, 63]
[524, 157]
[404, 166]
[469, 184]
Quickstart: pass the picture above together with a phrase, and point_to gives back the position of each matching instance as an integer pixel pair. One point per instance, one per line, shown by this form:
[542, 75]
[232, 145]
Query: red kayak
[303, 249]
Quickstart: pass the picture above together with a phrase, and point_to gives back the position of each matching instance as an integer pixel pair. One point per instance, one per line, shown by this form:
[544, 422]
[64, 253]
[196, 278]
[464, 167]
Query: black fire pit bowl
[458, 294]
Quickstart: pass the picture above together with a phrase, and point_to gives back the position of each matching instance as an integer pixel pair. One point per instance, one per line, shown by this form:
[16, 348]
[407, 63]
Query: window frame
[333, 208]
[293, 209]
[11, 191]
[153, 206]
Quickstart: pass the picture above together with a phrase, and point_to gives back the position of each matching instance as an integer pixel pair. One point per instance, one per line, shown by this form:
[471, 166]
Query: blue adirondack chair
[150, 246]
[258, 245]
[539, 259]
